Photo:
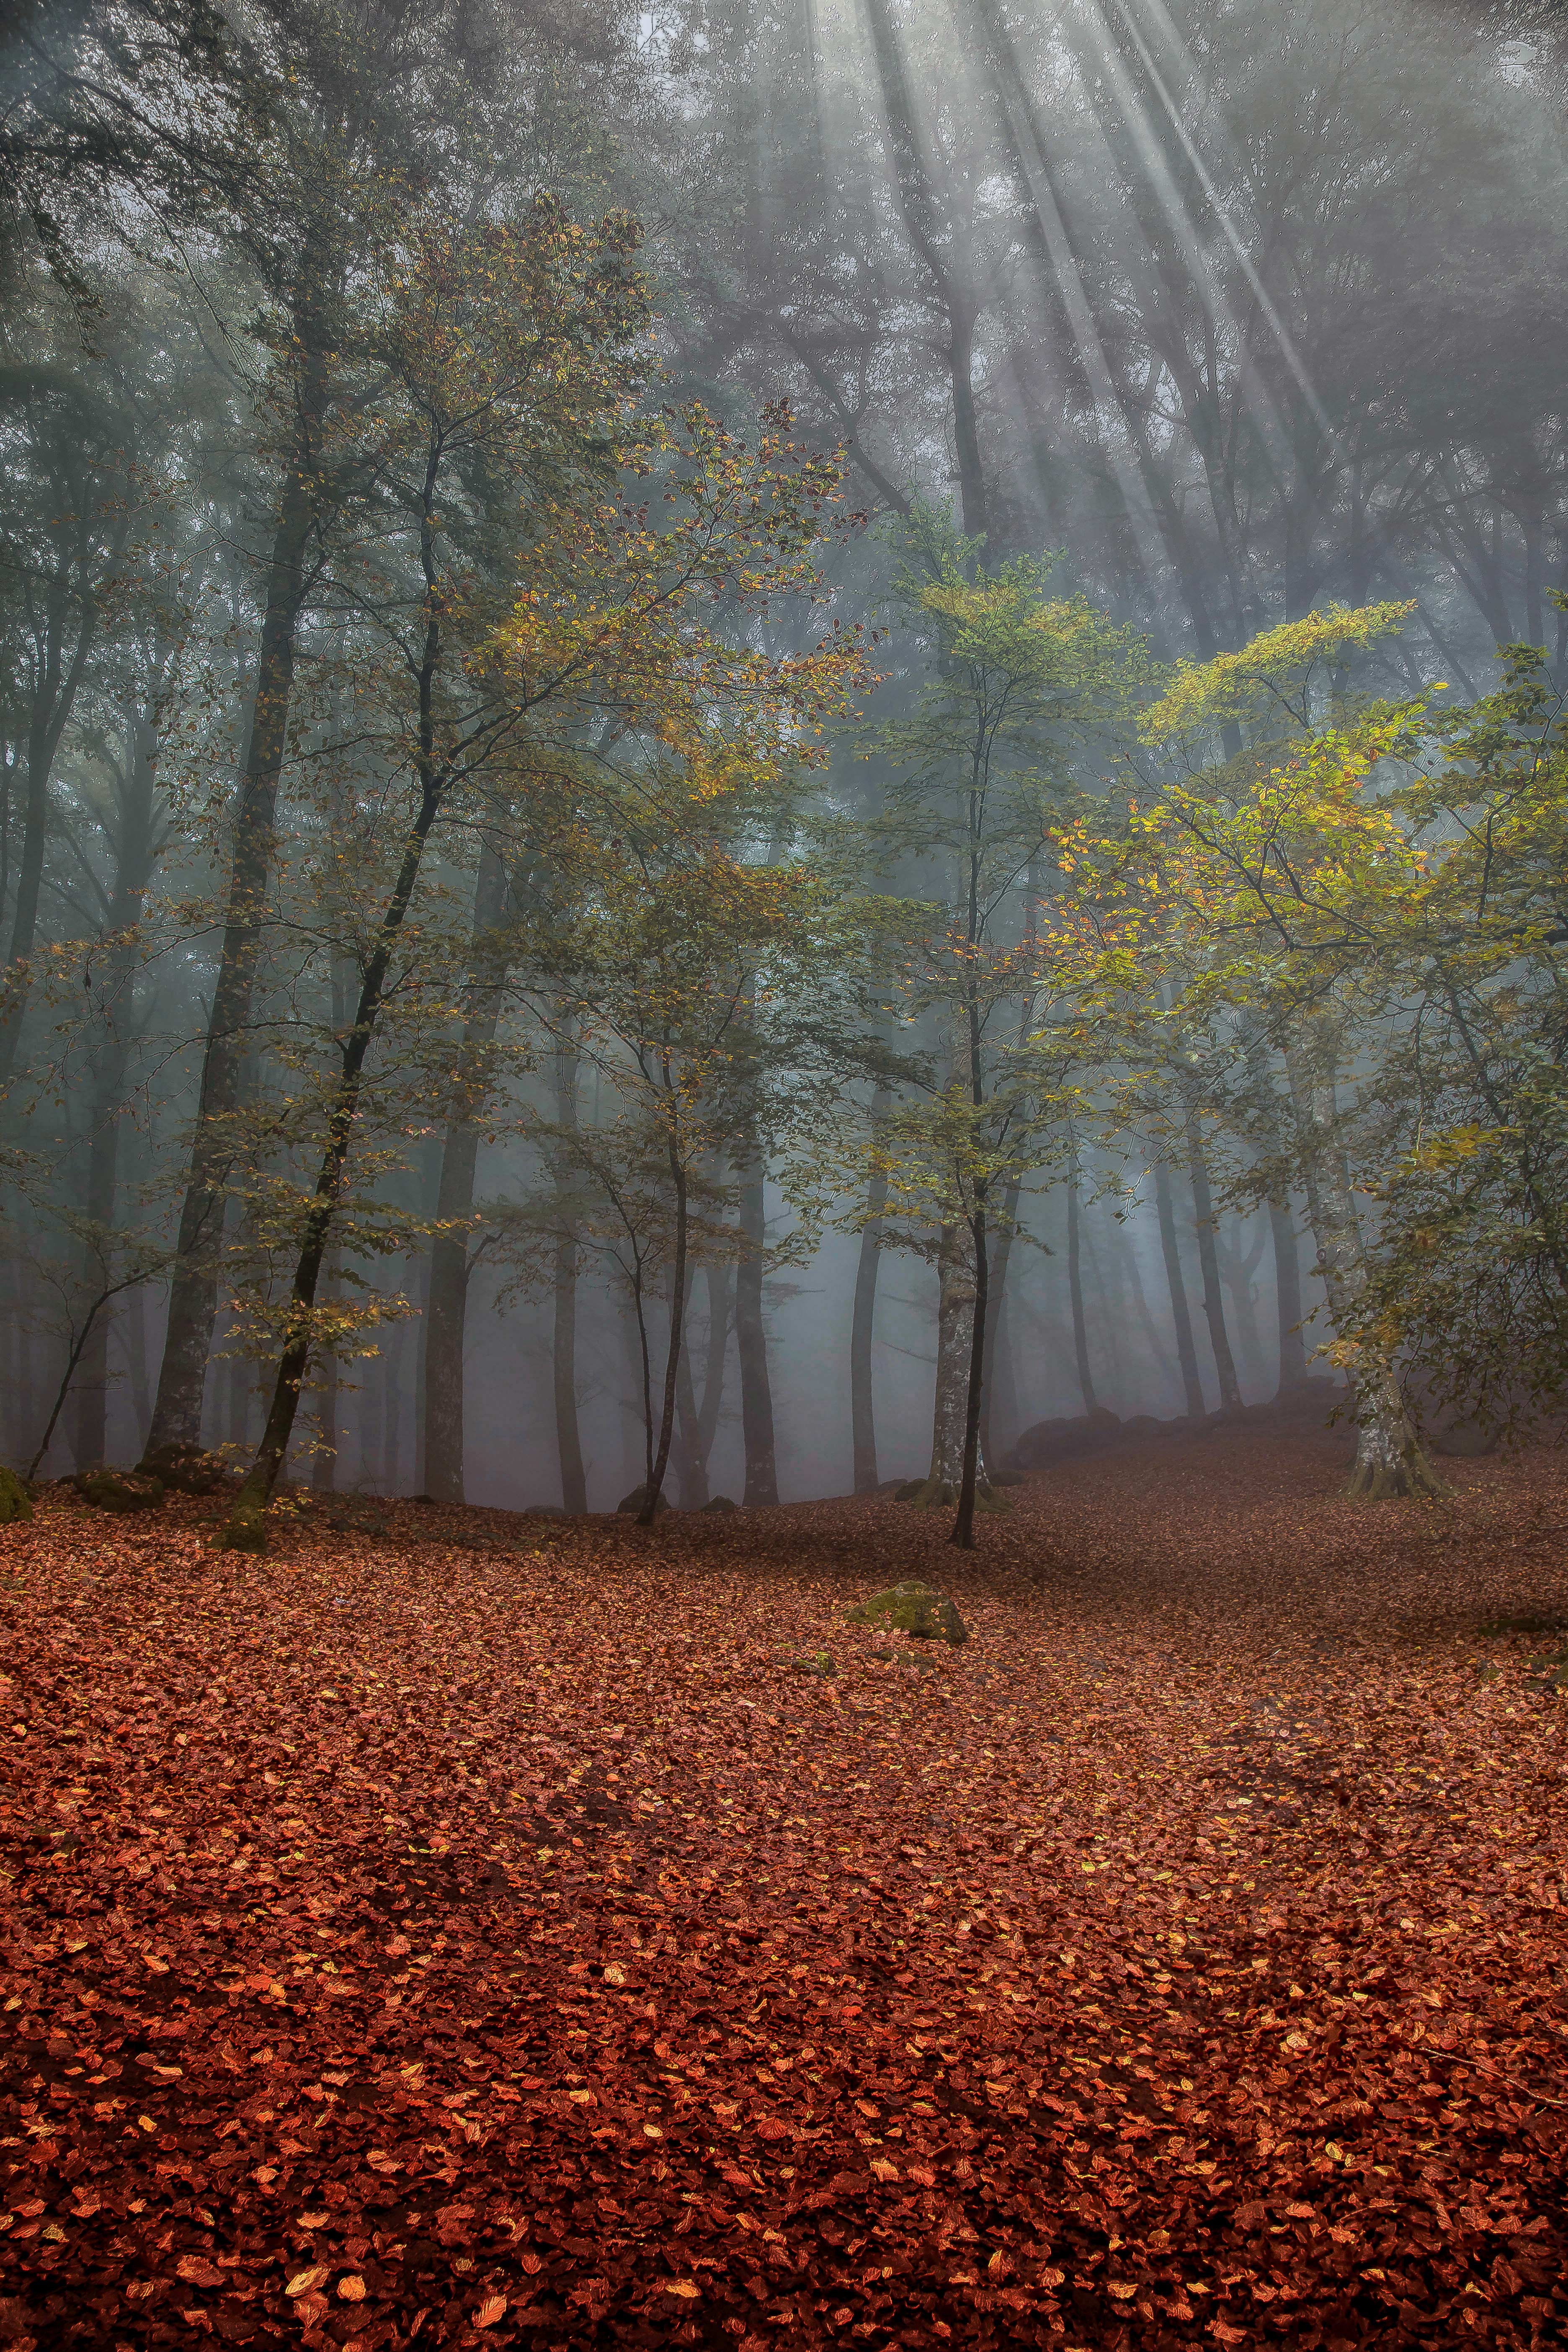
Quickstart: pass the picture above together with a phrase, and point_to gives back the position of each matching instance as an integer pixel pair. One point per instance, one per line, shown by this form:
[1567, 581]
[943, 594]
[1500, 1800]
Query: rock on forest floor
[500, 1931]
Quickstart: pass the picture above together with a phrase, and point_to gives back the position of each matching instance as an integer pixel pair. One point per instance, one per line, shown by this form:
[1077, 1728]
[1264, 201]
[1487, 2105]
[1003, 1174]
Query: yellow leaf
[352, 2288]
[490, 2311]
[302, 2281]
[683, 2287]
[883, 2169]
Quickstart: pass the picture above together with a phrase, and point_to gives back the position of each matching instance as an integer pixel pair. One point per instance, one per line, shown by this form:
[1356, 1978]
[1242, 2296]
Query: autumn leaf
[1077, 2065]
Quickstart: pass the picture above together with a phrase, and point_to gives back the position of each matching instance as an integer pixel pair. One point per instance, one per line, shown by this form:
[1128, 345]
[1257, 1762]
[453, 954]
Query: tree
[1020, 681]
[1249, 883]
[514, 350]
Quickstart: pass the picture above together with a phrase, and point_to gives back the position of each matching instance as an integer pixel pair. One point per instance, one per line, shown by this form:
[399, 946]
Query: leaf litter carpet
[494, 1931]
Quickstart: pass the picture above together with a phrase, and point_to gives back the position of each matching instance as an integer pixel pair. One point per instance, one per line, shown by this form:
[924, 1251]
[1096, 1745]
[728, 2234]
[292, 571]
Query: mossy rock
[816, 1662]
[937, 1493]
[244, 1530]
[115, 1490]
[187, 1469]
[15, 1502]
[916, 1609]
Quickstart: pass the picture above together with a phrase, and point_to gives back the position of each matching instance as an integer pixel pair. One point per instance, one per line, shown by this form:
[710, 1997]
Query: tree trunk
[56, 691]
[1389, 1459]
[698, 1422]
[1281, 1227]
[1186, 1353]
[446, 1326]
[564, 1320]
[1209, 1260]
[970, 1466]
[246, 1526]
[135, 853]
[655, 1488]
[192, 1293]
[862, 1394]
[691, 1467]
[954, 1349]
[1125, 1258]
[1288, 1292]
[563, 1377]
[998, 1388]
[324, 1460]
[752, 1345]
[1238, 1266]
[1075, 1294]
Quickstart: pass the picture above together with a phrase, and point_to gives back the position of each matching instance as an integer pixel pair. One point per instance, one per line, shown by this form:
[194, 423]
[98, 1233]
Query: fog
[746, 744]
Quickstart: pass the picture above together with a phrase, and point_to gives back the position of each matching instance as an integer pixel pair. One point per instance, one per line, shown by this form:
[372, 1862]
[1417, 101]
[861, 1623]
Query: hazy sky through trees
[1054, 908]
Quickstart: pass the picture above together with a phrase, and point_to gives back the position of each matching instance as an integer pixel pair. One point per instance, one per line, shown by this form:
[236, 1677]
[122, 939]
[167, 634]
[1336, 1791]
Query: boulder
[1062, 1440]
[632, 1504]
[187, 1469]
[720, 1503]
[115, 1490]
[916, 1609]
[15, 1502]
[544, 1511]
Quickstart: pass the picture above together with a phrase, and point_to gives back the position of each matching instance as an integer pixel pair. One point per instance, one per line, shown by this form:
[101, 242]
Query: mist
[1223, 333]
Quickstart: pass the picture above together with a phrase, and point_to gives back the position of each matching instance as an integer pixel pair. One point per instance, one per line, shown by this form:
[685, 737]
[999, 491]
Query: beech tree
[1019, 683]
[515, 352]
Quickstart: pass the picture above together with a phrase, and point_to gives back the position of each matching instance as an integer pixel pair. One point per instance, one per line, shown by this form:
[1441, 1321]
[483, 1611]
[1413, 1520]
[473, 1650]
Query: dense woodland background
[833, 897]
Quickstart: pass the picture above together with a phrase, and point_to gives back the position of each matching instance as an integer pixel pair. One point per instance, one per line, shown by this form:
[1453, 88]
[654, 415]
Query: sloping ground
[508, 1944]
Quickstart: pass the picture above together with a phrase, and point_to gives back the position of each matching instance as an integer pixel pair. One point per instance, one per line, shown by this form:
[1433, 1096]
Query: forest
[784, 869]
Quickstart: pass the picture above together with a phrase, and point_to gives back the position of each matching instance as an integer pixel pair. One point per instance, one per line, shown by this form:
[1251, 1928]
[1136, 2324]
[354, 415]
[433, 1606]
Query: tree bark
[997, 1390]
[563, 1318]
[1181, 1317]
[954, 1349]
[862, 1394]
[698, 1419]
[1075, 1294]
[676, 1317]
[324, 1460]
[135, 853]
[1208, 1261]
[762, 1486]
[564, 1377]
[446, 1327]
[192, 1293]
[1389, 1458]
[970, 1469]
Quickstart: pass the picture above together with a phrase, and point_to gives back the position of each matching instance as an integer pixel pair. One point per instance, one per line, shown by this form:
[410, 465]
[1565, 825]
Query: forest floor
[488, 1931]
